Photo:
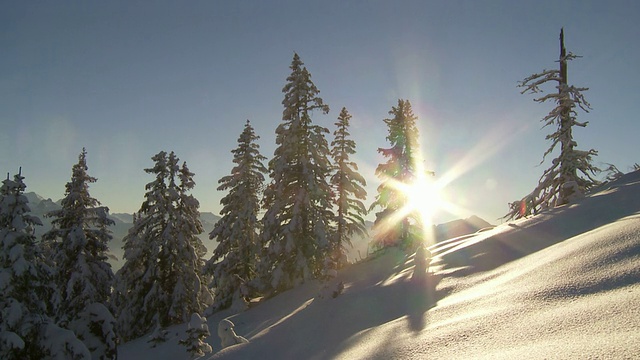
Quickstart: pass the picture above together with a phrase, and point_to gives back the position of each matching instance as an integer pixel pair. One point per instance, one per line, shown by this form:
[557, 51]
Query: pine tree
[182, 257]
[79, 243]
[298, 215]
[26, 330]
[233, 264]
[349, 190]
[396, 223]
[197, 331]
[161, 281]
[562, 182]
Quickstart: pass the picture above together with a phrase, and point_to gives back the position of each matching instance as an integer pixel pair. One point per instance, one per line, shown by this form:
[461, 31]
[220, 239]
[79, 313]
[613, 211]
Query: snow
[95, 326]
[62, 344]
[11, 340]
[562, 284]
[227, 334]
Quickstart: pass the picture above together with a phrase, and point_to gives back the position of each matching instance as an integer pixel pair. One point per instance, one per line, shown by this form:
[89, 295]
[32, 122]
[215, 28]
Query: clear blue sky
[127, 79]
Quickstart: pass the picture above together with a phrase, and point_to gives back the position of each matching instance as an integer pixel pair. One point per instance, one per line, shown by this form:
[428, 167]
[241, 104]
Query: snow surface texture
[563, 284]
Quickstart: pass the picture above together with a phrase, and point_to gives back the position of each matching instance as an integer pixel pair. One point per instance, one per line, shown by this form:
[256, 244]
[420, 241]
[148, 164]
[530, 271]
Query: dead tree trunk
[567, 172]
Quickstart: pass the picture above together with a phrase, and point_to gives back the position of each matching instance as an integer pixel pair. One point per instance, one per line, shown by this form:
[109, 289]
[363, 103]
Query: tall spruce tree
[79, 242]
[26, 330]
[298, 217]
[349, 189]
[161, 282]
[233, 264]
[396, 223]
[570, 174]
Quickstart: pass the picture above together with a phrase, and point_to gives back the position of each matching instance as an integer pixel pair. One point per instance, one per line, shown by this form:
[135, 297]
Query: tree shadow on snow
[370, 299]
[402, 300]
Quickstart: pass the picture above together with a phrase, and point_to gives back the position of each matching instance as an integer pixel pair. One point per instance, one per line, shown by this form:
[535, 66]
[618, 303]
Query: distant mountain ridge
[460, 227]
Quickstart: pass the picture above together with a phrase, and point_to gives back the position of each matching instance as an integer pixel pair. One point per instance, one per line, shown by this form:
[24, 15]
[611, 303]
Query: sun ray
[428, 195]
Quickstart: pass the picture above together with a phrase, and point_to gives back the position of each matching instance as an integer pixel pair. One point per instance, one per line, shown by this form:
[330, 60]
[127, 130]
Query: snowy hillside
[563, 284]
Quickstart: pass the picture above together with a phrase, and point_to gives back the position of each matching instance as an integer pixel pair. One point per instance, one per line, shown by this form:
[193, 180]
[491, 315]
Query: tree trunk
[567, 172]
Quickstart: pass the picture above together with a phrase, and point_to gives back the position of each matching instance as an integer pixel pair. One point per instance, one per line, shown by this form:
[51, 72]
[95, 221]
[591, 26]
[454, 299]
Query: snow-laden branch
[570, 56]
[532, 83]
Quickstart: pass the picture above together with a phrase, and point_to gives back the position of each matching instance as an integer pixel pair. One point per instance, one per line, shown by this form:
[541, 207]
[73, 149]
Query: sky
[128, 79]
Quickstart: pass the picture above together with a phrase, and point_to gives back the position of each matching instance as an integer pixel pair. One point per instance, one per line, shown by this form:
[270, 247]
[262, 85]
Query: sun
[424, 201]
[425, 196]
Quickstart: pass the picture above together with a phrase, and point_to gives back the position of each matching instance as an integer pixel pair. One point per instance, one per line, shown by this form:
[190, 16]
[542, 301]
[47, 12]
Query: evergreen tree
[26, 330]
[349, 190]
[79, 243]
[161, 281]
[396, 223]
[562, 182]
[234, 259]
[182, 257]
[298, 214]
[197, 331]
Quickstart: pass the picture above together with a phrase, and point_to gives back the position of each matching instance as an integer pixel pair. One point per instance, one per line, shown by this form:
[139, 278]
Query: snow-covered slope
[563, 284]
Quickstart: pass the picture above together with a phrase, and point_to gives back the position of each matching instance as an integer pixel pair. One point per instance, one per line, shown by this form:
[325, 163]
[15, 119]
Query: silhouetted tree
[570, 174]
[396, 224]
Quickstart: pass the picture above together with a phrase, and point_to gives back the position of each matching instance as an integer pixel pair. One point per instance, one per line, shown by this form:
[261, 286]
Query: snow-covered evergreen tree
[570, 174]
[396, 224]
[298, 217]
[182, 260]
[161, 280]
[26, 330]
[96, 327]
[197, 331]
[79, 244]
[233, 264]
[349, 190]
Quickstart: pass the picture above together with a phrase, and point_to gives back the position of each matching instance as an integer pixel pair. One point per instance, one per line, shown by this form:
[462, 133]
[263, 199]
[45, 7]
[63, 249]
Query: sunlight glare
[425, 197]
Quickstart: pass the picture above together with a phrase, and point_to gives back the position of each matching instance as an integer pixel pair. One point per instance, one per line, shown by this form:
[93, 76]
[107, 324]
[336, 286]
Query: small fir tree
[161, 281]
[349, 190]
[26, 330]
[298, 217]
[233, 264]
[396, 223]
[197, 331]
[79, 244]
[570, 174]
